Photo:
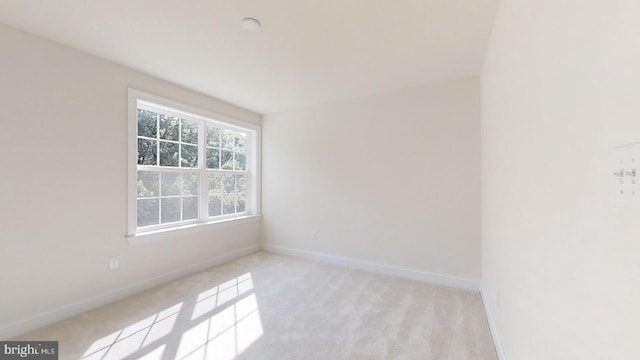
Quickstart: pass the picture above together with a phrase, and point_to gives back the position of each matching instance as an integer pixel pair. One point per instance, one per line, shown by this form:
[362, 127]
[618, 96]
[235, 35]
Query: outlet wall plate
[114, 263]
[624, 174]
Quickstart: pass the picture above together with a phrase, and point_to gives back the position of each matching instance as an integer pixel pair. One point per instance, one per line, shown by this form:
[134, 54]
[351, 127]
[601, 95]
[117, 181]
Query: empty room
[279, 179]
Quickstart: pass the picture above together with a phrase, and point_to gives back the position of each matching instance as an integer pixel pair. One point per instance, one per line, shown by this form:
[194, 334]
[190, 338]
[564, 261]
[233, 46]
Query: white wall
[391, 179]
[559, 89]
[63, 183]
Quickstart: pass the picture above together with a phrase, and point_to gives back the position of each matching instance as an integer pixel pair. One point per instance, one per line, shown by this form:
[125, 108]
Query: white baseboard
[79, 307]
[429, 277]
[492, 327]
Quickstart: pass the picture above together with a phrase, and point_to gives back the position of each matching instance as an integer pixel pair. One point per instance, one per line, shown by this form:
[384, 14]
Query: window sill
[156, 235]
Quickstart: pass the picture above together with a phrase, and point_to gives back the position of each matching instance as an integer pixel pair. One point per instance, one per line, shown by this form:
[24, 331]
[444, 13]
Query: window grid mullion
[179, 143]
[157, 140]
[228, 172]
[181, 209]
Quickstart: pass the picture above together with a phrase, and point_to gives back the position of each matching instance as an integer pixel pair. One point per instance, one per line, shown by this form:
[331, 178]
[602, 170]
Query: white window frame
[178, 109]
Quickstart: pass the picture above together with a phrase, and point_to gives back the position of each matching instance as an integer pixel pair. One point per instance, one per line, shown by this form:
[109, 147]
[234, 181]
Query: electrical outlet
[114, 263]
[624, 173]
[314, 236]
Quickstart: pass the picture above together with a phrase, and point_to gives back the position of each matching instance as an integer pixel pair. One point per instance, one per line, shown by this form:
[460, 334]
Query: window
[188, 166]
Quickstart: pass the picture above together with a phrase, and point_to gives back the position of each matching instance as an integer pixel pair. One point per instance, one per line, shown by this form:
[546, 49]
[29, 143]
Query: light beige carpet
[266, 306]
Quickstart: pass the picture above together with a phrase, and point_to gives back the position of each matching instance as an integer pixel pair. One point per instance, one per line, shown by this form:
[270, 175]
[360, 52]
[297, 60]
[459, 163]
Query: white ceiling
[307, 52]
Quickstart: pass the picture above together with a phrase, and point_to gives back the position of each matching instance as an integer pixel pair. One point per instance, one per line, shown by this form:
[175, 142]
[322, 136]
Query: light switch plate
[624, 175]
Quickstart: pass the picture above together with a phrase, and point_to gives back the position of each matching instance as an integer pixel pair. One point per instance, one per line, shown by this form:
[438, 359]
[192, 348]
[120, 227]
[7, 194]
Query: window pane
[190, 184]
[240, 139]
[189, 208]
[215, 205]
[171, 183]
[229, 204]
[213, 159]
[241, 183]
[189, 155]
[241, 203]
[229, 183]
[168, 154]
[148, 212]
[227, 160]
[169, 127]
[147, 152]
[148, 183]
[147, 123]
[189, 132]
[170, 210]
[215, 184]
[241, 162]
[171, 167]
[213, 136]
[227, 139]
